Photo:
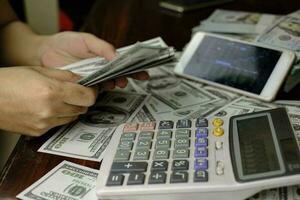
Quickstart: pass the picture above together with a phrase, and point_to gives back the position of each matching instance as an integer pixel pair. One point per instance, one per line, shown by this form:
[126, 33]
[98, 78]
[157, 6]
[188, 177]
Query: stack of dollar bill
[138, 58]
[268, 29]
[163, 96]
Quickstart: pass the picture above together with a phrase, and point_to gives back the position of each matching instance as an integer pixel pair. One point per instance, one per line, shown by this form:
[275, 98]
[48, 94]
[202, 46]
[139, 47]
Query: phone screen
[234, 64]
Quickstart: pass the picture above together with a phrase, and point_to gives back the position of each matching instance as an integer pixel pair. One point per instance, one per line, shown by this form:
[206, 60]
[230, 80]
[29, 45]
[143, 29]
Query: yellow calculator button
[217, 122]
[218, 131]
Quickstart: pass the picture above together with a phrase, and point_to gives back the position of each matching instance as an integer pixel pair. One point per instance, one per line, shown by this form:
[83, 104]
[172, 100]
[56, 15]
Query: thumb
[99, 47]
[59, 74]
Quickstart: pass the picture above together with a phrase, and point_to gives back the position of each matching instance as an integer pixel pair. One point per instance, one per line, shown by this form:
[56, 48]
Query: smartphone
[246, 68]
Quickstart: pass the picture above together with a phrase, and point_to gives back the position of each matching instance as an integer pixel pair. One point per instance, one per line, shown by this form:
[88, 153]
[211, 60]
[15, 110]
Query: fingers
[67, 110]
[63, 75]
[107, 85]
[78, 95]
[99, 47]
[140, 76]
[121, 82]
[61, 121]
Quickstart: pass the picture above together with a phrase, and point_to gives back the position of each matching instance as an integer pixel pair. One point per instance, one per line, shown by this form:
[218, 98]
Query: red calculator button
[148, 126]
[130, 127]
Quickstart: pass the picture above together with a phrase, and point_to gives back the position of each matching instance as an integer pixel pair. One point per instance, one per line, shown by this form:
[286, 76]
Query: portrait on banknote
[161, 82]
[105, 116]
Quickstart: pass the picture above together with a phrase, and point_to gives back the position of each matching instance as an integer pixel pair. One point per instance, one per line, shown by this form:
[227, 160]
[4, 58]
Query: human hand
[68, 47]
[35, 99]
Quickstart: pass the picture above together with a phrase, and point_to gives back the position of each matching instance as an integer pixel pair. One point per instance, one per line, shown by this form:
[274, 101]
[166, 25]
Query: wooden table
[123, 22]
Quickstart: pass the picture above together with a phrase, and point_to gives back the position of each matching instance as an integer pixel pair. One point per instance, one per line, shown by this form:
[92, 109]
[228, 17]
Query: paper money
[282, 193]
[284, 33]
[88, 137]
[137, 58]
[66, 181]
[91, 65]
[293, 109]
[175, 92]
[293, 78]
[253, 103]
[238, 22]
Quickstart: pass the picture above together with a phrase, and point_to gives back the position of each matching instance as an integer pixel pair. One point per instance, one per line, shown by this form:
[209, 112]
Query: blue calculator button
[201, 164]
[201, 152]
[201, 132]
[201, 142]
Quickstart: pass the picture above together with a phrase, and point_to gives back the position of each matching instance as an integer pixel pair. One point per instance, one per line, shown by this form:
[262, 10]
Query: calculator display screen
[234, 64]
[257, 148]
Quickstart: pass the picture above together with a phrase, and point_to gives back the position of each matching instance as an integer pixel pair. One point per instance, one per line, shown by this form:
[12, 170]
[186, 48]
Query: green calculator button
[164, 134]
[179, 177]
[125, 144]
[141, 154]
[161, 154]
[157, 177]
[182, 133]
[128, 136]
[182, 142]
[180, 165]
[122, 155]
[146, 135]
[136, 179]
[163, 143]
[159, 165]
[145, 144]
[181, 153]
[115, 180]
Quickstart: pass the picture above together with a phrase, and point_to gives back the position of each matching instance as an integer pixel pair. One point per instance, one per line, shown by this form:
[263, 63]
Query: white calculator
[205, 158]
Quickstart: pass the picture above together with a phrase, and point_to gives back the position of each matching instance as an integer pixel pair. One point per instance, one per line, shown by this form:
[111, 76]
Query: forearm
[19, 45]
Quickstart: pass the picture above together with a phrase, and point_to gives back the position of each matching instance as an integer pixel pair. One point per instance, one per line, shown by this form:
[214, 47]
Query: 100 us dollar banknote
[66, 181]
[88, 137]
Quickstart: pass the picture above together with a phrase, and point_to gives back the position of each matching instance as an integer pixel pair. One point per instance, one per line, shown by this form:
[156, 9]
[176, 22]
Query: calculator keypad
[165, 152]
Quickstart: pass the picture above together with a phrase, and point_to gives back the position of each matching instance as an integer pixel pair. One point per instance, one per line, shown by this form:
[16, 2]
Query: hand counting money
[138, 58]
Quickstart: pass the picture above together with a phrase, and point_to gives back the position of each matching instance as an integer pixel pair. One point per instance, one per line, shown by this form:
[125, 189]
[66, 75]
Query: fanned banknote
[88, 137]
[284, 33]
[237, 22]
[66, 181]
[171, 97]
[91, 65]
[138, 58]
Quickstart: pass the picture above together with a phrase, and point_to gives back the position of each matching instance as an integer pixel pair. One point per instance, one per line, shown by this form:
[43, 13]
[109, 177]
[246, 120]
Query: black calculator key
[157, 177]
[166, 124]
[159, 165]
[201, 122]
[136, 179]
[180, 165]
[115, 180]
[200, 176]
[128, 167]
[184, 123]
[179, 177]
